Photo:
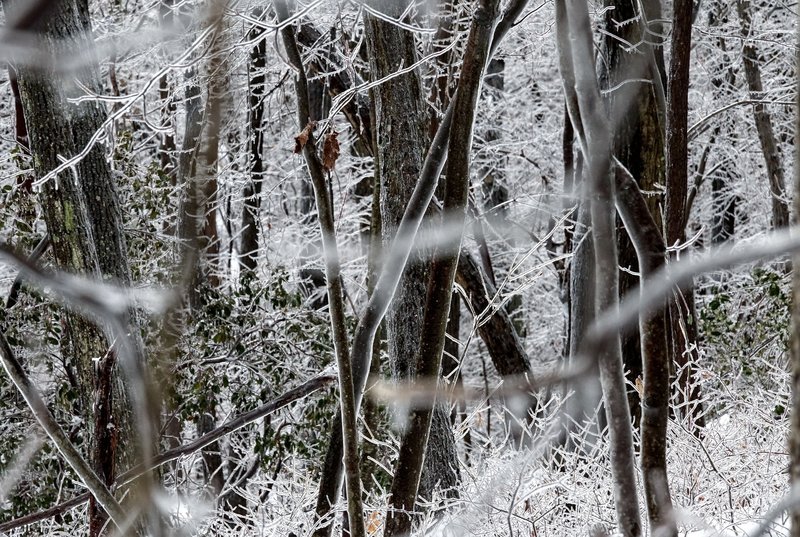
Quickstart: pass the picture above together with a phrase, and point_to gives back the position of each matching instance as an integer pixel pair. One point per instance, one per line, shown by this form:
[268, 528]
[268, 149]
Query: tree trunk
[413, 452]
[682, 315]
[638, 138]
[84, 222]
[196, 229]
[585, 109]
[653, 327]
[584, 423]
[248, 251]
[794, 342]
[505, 348]
[766, 134]
[402, 142]
[348, 400]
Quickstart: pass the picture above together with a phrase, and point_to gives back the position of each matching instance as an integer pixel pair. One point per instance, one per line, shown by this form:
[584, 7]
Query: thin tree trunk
[347, 397]
[585, 399]
[396, 260]
[197, 169]
[794, 342]
[635, 108]
[248, 254]
[766, 134]
[505, 348]
[683, 328]
[653, 327]
[597, 146]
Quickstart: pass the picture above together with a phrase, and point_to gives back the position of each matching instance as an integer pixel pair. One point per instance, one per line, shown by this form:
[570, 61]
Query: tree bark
[766, 134]
[585, 399]
[794, 341]
[428, 359]
[653, 327]
[682, 316]
[597, 145]
[638, 136]
[505, 348]
[395, 262]
[347, 396]
[248, 251]
[401, 117]
[84, 221]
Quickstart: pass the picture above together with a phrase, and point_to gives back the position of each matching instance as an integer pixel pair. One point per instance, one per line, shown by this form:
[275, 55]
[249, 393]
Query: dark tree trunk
[20, 129]
[794, 342]
[682, 316]
[84, 222]
[653, 327]
[418, 447]
[401, 143]
[639, 138]
[724, 202]
[212, 457]
[766, 134]
[724, 198]
[575, 44]
[373, 413]
[583, 424]
[248, 251]
[497, 332]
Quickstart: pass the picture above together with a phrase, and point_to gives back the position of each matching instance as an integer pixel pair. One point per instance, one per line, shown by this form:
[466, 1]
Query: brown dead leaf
[330, 150]
[639, 385]
[302, 139]
[374, 523]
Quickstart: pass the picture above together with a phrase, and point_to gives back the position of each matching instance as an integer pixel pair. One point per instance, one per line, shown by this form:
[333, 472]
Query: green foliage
[149, 199]
[18, 206]
[43, 481]
[746, 329]
[248, 345]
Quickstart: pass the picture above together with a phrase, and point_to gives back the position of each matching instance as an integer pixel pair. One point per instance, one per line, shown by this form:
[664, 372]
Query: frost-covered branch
[235, 424]
[59, 438]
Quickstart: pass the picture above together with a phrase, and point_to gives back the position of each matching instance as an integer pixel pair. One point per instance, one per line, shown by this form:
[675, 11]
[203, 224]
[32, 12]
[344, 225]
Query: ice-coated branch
[347, 399]
[59, 438]
[295, 394]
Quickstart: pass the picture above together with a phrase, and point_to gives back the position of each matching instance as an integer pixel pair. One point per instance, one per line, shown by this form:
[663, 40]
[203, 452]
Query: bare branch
[48, 422]
[295, 394]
